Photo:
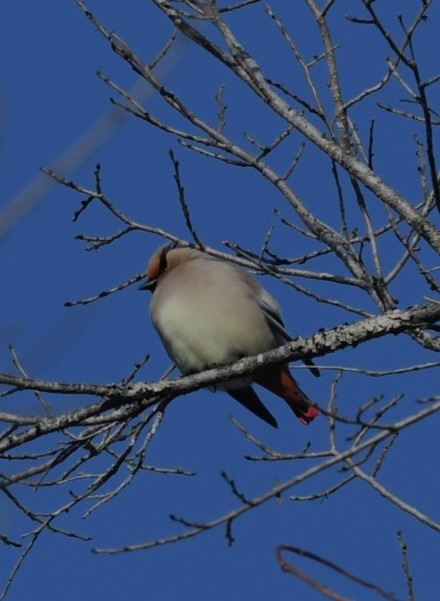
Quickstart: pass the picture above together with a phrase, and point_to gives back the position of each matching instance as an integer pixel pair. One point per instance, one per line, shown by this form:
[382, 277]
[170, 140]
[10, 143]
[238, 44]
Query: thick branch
[318, 345]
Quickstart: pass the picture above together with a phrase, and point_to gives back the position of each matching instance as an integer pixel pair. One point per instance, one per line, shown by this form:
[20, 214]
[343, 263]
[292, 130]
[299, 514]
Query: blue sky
[49, 97]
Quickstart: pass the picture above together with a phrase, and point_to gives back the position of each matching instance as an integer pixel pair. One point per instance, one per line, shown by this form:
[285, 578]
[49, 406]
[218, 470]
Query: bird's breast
[202, 327]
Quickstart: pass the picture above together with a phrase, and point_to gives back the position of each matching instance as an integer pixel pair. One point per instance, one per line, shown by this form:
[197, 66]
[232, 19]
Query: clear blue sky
[49, 97]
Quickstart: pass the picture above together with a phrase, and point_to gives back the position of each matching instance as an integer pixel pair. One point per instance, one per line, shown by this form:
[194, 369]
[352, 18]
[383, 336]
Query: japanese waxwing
[210, 312]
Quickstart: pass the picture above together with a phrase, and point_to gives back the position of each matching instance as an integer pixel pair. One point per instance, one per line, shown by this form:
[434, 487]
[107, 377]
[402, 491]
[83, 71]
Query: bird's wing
[271, 310]
[273, 318]
[249, 399]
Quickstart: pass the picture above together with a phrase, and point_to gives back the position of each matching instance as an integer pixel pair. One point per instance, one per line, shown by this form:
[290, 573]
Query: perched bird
[210, 312]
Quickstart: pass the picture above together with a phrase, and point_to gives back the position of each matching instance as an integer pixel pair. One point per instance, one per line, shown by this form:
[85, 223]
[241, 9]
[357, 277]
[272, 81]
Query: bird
[210, 312]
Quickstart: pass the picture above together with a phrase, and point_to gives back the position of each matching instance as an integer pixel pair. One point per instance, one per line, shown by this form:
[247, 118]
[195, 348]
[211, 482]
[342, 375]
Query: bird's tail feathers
[280, 381]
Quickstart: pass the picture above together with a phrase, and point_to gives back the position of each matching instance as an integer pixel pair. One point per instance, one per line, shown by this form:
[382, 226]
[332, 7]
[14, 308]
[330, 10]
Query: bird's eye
[163, 264]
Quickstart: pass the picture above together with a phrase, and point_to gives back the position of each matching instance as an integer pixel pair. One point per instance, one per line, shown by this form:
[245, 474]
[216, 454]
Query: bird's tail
[280, 381]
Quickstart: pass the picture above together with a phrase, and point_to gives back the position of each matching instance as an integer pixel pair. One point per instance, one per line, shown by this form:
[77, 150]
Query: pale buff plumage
[211, 312]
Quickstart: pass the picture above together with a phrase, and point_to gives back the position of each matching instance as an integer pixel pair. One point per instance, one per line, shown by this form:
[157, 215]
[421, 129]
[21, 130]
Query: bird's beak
[148, 285]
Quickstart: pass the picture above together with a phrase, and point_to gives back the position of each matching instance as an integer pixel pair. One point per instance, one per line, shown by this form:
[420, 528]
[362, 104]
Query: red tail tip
[308, 416]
